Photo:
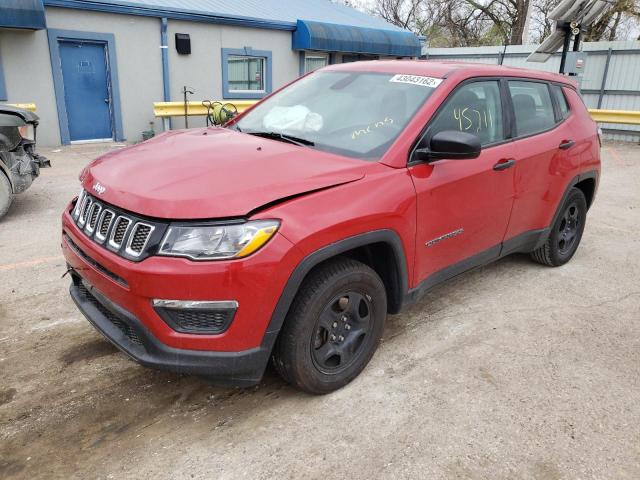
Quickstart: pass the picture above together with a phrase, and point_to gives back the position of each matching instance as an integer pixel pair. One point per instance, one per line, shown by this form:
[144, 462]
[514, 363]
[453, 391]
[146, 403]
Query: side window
[562, 100]
[532, 106]
[474, 108]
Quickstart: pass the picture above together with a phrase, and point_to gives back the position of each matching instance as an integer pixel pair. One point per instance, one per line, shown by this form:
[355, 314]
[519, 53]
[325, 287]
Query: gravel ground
[510, 371]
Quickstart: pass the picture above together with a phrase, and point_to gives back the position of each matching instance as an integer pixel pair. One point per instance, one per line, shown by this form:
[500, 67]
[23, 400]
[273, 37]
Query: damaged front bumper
[22, 167]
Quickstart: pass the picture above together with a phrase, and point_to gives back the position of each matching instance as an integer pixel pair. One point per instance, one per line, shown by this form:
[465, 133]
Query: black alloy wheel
[333, 327]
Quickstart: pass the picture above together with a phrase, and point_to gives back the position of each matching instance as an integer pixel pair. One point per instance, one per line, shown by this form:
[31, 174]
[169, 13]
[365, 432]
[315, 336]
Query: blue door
[87, 96]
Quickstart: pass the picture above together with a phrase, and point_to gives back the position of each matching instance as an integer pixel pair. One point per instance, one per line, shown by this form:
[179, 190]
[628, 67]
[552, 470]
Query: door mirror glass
[451, 145]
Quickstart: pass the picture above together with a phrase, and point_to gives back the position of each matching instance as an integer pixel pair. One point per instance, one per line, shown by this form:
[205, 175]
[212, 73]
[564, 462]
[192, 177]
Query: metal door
[87, 95]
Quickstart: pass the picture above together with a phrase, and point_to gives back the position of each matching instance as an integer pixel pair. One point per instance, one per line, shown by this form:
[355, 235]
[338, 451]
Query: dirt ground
[513, 371]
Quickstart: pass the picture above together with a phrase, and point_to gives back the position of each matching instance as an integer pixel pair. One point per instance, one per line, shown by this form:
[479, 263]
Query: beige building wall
[202, 69]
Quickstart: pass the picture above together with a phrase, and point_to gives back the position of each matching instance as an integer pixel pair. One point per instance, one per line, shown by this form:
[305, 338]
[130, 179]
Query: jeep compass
[290, 233]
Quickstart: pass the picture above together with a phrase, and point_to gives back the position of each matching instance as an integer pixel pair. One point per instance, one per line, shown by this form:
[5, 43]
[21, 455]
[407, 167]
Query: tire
[6, 195]
[333, 326]
[566, 232]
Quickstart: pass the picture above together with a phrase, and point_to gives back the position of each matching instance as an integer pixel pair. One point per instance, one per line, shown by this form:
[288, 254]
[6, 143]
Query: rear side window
[532, 106]
[473, 108]
[562, 100]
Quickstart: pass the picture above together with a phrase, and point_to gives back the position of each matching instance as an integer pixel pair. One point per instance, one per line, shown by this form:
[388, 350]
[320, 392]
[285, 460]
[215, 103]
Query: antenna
[572, 19]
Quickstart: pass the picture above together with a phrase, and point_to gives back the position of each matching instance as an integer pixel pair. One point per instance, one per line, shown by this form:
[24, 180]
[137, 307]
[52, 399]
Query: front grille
[126, 234]
[84, 212]
[105, 223]
[115, 319]
[122, 224]
[139, 238]
[93, 216]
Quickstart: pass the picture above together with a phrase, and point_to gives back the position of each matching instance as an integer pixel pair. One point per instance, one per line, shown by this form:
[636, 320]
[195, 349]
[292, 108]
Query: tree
[462, 23]
[402, 13]
[508, 16]
[608, 26]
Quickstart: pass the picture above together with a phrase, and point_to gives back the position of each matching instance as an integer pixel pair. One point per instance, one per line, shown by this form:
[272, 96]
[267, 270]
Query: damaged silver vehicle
[19, 162]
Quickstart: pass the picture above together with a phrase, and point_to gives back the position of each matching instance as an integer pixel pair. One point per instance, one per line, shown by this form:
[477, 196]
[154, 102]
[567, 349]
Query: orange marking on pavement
[616, 156]
[30, 263]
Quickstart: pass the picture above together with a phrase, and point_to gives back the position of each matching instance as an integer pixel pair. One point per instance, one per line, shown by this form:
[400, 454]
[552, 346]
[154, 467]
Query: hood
[212, 173]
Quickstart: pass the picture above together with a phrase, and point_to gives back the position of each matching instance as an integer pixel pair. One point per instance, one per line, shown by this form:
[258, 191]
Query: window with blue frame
[246, 73]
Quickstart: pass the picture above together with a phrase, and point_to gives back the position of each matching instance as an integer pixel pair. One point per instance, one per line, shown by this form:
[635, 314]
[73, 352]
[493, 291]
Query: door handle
[504, 164]
[566, 144]
[106, 100]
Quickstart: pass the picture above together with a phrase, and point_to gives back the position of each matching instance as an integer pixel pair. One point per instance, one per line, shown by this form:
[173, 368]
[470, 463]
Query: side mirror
[450, 145]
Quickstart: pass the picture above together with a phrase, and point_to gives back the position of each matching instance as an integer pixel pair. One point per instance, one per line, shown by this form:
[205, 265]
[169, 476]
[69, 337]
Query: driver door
[463, 206]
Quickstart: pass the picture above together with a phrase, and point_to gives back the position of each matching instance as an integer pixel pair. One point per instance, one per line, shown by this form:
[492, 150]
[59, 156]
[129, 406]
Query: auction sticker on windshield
[417, 80]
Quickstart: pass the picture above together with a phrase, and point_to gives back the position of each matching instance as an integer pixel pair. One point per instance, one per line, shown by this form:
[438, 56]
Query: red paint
[223, 174]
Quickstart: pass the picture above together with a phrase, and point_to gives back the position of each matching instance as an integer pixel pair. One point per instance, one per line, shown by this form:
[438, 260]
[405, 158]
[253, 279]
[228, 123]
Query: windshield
[357, 114]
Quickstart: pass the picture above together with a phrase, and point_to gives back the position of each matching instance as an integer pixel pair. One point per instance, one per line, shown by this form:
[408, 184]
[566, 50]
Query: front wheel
[566, 232]
[333, 327]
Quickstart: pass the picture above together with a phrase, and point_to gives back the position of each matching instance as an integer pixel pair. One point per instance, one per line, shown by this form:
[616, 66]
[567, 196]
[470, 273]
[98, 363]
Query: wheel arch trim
[591, 174]
[292, 286]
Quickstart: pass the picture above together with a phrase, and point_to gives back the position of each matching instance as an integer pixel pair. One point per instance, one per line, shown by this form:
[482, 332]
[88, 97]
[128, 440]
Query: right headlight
[217, 242]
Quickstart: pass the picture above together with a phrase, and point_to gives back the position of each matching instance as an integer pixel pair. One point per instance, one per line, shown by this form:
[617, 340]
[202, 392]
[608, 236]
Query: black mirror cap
[454, 145]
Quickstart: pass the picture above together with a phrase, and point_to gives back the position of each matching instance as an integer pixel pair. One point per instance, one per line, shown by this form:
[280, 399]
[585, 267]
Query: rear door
[544, 148]
[464, 205]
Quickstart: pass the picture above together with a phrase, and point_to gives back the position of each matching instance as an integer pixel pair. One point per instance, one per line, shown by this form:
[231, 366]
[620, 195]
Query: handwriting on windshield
[472, 119]
[364, 131]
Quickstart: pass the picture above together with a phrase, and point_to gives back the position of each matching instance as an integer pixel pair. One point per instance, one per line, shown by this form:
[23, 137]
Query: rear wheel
[333, 327]
[566, 232]
[6, 195]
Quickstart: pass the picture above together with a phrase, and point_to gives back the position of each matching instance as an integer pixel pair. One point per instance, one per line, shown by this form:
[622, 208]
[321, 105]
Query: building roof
[280, 14]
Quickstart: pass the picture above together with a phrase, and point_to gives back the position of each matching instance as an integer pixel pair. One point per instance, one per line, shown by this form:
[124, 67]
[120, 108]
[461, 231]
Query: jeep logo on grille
[99, 188]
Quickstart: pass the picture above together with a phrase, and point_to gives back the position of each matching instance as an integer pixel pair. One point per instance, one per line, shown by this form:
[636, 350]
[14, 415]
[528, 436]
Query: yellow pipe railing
[626, 117]
[176, 109]
[25, 106]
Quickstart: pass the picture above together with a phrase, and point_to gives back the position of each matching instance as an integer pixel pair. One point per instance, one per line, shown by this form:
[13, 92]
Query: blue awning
[331, 37]
[27, 14]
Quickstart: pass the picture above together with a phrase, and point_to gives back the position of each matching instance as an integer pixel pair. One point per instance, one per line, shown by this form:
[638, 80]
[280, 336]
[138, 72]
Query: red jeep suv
[294, 230]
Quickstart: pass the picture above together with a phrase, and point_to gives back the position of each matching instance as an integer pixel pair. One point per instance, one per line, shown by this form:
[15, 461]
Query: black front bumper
[126, 332]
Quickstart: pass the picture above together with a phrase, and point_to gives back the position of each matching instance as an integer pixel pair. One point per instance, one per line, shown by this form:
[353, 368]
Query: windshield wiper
[302, 142]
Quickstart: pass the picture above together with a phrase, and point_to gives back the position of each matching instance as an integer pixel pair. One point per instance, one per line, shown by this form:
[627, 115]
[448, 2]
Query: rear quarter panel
[585, 131]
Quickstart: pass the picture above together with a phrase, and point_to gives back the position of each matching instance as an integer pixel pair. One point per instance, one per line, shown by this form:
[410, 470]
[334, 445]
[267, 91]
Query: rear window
[562, 100]
[533, 107]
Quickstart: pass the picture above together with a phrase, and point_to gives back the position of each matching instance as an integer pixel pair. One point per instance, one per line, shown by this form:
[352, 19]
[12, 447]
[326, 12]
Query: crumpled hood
[212, 173]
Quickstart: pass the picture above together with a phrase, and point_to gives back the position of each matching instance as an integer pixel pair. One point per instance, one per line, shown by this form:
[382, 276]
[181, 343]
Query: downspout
[164, 48]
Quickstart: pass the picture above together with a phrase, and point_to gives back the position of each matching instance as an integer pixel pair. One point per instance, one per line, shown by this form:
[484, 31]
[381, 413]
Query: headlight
[28, 132]
[215, 242]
